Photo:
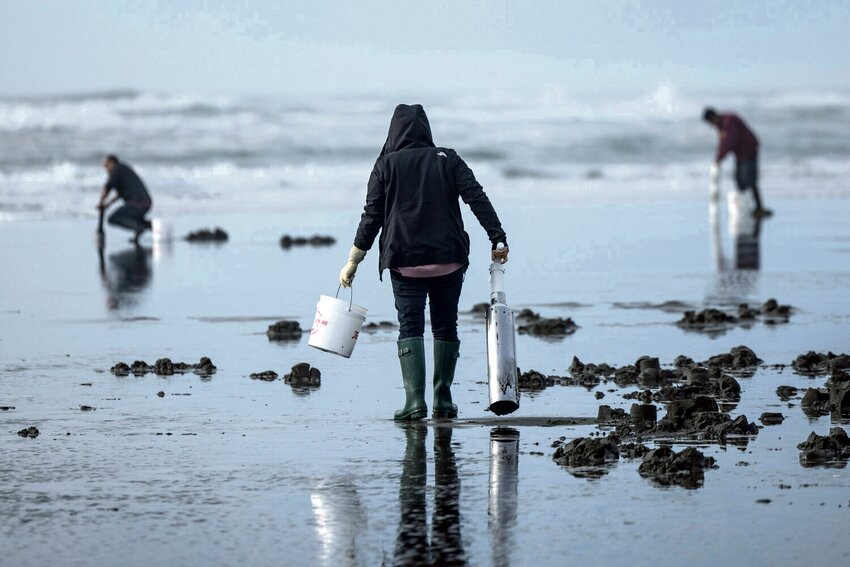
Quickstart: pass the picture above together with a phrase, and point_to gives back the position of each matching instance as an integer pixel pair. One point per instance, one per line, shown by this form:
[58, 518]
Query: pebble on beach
[834, 399]
[30, 432]
[705, 319]
[480, 308]
[284, 331]
[541, 327]
[816, 363]
[669, 468]
[375, 327]
[303, 375]
[533, 380]
[712, 320]
[208, 235]
[265, 375]
[287, 241]
[164, 367]
[771, 418]
[825, 450]
[587, 452]
[785, 393]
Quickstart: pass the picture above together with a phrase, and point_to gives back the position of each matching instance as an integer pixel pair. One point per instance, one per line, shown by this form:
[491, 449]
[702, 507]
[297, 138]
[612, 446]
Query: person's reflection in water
[411, 546]
[737, 276]
[446, 546]
[446, 543]
[748, 247]
[502, 507]
[128, 273]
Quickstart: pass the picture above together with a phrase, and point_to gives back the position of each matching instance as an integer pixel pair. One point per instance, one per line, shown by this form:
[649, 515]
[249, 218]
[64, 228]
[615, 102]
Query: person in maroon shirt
[736, 137]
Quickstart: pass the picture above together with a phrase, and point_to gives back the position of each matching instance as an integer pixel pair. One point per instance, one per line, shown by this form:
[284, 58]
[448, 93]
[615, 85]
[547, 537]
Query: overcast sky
[280, 46]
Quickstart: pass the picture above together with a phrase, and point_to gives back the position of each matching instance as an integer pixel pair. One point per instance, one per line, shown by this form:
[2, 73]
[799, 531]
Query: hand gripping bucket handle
[336, 326]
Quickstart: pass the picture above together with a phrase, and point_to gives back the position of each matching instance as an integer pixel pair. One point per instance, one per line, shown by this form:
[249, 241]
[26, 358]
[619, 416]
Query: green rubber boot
[411, 356]
[445, 361]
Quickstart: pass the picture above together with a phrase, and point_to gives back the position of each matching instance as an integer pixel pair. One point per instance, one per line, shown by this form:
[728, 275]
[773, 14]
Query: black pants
[747, 173]
[443, 293]
[130, 216]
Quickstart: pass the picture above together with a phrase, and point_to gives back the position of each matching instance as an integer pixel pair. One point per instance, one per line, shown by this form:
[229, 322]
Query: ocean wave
[108, 94]
[526, 173]
[665, 102]
[484, 154]
[70, 190]
[259, 152]
[809, 100]
[103, 110]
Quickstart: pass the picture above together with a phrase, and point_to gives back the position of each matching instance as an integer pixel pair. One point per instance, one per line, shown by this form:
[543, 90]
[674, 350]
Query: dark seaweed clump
[206, 235]
[164, 367]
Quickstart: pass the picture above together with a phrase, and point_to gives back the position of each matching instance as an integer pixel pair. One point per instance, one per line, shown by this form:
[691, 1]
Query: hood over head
[409, 128]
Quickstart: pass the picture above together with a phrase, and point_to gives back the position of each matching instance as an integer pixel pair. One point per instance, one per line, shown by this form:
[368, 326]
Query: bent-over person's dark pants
[747, 173]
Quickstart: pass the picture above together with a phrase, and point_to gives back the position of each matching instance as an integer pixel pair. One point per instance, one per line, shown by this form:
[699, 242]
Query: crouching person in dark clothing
[129, 187]
[412, 200]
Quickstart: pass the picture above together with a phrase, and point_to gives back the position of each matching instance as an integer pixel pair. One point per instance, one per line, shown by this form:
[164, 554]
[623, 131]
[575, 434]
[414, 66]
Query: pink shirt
[428, 270]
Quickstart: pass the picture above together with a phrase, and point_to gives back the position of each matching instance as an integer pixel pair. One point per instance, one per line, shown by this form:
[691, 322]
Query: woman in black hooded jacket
[412, 199]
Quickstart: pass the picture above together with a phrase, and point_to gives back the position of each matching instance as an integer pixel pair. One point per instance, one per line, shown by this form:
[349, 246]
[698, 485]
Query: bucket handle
[351, 298]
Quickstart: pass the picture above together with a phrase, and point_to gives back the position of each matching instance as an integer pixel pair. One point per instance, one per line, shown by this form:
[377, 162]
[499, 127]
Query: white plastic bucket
[741, 205]
[336, 325]
[161, 230]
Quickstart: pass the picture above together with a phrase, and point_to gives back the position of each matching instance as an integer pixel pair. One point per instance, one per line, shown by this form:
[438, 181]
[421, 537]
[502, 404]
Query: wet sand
[223, 469]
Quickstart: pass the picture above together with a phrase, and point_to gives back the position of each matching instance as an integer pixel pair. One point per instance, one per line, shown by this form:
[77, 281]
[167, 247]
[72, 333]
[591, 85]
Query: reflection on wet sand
[502, 506]
[340, 521]
[738, 275]
[412, 546]
[126, 275]
[748, 247]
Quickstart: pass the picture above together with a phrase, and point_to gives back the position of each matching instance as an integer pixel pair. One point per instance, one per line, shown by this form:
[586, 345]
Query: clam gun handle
[497, 283]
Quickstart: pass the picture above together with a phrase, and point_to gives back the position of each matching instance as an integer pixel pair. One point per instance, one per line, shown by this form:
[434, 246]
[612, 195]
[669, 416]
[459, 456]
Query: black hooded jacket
[413, 199]
[128, 185]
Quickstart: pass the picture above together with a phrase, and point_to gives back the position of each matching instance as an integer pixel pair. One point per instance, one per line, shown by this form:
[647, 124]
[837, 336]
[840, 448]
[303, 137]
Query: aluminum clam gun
[502, 371]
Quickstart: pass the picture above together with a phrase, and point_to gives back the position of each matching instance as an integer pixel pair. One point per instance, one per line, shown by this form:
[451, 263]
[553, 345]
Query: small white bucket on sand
[336, 325]
[740, 207]
[161, 230]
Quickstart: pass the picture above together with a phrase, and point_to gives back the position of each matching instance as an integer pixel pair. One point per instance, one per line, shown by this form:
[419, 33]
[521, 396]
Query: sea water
[606, 210]
[202, 153]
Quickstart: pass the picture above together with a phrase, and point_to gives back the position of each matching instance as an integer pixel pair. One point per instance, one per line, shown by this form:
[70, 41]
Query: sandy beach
[227, 469]
[670, 180]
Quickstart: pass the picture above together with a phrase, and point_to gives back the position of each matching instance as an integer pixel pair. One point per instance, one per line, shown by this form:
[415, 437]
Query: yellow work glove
[346, 275]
